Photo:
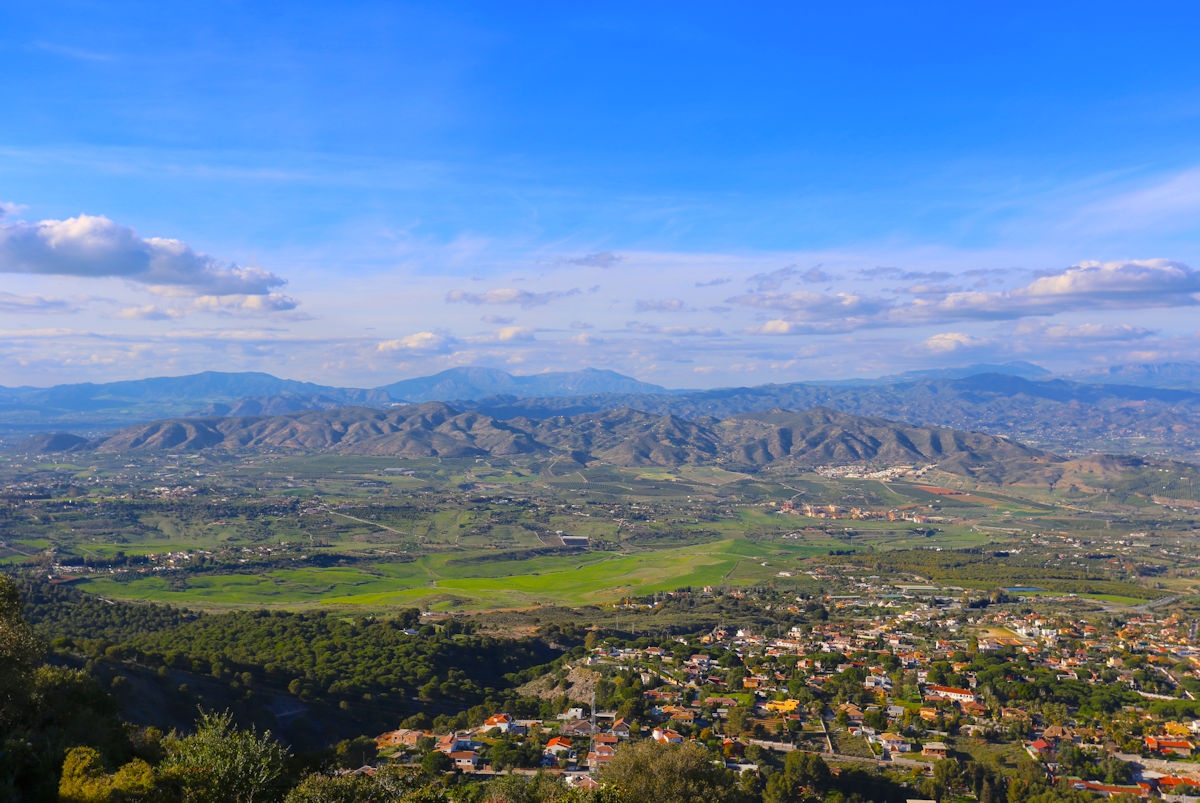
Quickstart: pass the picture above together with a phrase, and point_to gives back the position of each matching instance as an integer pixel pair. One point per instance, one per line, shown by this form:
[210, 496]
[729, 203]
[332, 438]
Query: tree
[805, 776]
[436, 762]
[222, 763]
[20, 654]
[737, 721]
[317, 788]
[84, 779]
[672, 773]
[945, 777]
[539, 788]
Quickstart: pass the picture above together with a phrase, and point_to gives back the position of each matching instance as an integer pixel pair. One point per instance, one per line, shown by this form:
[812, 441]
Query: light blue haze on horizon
[692, 194]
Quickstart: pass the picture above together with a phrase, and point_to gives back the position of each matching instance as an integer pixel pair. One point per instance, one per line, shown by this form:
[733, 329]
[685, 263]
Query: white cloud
[9, 209]
[244, 304]
[148, 312]
[1136, 284]
[1153, 281]
[510, 333]
[775, 327]
[420, 342]
[94, 246]
[946, 342]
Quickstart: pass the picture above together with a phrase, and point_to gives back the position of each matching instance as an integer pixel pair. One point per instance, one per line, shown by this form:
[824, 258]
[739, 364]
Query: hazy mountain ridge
[1059, 414]
[1025, 370]
[1055, 414]
[476, 383]
[1178, 375]
[106, 406]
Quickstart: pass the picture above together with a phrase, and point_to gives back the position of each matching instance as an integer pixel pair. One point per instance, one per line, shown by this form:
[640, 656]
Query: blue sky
[692, 194]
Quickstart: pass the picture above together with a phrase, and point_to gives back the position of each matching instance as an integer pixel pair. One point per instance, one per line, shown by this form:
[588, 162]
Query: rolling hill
[619, 437]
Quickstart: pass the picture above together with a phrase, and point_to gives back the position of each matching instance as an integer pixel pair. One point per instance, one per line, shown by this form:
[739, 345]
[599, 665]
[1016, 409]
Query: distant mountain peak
[1019, 368]
[471, 383]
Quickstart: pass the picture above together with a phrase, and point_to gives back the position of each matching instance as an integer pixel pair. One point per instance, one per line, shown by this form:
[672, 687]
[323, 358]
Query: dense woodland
[363, 672]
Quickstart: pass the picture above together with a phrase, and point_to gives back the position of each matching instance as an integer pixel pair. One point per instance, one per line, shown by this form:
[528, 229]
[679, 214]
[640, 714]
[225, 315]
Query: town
[906, 681]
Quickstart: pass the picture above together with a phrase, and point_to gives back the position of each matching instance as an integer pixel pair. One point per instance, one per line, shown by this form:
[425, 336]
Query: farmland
[375, 534]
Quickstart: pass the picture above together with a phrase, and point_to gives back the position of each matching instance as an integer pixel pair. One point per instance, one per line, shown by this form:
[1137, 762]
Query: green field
[300, 532]
[443, 581]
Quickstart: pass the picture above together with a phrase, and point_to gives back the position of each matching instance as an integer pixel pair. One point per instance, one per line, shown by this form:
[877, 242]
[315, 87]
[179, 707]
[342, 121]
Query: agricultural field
[375, 534]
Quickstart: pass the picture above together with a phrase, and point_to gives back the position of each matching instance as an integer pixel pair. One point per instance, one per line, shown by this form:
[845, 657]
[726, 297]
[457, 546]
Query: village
[903, 681]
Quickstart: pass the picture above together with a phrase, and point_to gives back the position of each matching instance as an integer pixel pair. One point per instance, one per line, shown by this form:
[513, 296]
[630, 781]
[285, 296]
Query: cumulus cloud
[11, 302]
[660, 305]
[7, 209]
[510, 333]
[1136, 284]
[1152, 281]
[419, 343]
[244, 304]
[91, 246]
[509, 295]
[945, 342]
[714, 282]
[1087, 286]
[778, 326]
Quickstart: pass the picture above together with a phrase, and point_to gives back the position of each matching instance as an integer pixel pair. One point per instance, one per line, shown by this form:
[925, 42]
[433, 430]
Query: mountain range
[1018, 401]
[750, 441]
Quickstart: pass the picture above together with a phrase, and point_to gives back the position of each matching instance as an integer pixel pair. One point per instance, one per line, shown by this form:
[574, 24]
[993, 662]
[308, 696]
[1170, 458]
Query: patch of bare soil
[581, 684]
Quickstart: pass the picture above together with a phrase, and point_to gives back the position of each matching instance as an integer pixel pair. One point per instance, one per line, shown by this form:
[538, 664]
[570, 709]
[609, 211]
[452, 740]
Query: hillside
[619, 437]
[1058, 414]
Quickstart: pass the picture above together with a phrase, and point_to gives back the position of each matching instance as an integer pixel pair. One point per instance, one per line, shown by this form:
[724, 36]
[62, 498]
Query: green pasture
[465, 581]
